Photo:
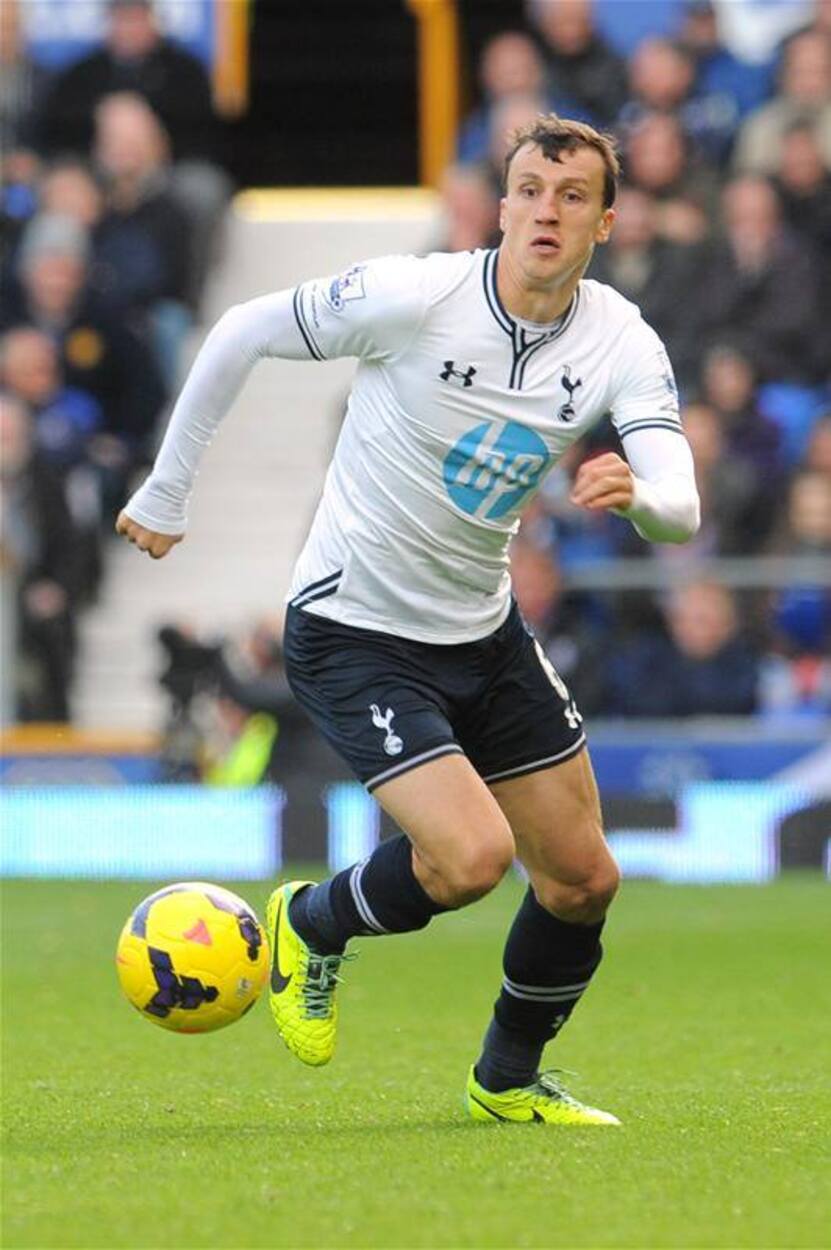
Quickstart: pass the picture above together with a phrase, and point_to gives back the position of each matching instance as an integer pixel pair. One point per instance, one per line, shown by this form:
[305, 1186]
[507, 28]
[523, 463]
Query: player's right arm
[372, 311]
[654, 487]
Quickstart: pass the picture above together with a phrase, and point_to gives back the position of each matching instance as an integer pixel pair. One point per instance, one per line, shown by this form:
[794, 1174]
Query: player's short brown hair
[553, 135]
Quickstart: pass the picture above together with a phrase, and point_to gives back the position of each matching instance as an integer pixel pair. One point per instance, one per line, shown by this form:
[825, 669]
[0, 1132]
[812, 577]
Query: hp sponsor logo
[493, 467]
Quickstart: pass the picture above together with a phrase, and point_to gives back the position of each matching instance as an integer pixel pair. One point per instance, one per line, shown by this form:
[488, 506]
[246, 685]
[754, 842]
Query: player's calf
[548, 964]
[379, 896]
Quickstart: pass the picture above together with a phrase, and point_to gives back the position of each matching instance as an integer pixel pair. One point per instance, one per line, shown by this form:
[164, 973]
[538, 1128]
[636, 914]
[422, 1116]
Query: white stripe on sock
[545, 989]
[360, 899]
[548, 996]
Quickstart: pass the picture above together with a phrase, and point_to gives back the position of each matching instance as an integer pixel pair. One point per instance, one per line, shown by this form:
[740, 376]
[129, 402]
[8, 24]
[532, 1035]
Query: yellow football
[192, 957]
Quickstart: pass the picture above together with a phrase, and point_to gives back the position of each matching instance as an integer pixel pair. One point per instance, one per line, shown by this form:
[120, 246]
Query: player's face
[552, 214]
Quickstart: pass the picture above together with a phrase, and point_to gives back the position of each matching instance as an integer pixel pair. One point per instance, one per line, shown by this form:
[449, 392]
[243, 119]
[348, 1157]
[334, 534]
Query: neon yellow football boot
[545, 1101]
[303, 983]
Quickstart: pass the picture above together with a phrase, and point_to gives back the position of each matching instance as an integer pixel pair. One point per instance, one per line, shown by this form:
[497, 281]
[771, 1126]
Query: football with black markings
[192, 957]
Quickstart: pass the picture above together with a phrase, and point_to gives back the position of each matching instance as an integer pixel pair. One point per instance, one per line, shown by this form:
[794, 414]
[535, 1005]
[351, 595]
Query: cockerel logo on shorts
[393, 745]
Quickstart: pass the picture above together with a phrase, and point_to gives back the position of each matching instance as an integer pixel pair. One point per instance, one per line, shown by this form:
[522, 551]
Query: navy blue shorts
[389, 704]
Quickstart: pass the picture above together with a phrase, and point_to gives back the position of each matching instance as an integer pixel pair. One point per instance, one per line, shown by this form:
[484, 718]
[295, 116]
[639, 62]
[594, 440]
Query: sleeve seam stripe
[650, 425]
[302, 325]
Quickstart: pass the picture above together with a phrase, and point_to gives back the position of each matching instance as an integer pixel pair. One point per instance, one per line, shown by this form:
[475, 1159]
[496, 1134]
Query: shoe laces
[550, 1084]
[321, 981]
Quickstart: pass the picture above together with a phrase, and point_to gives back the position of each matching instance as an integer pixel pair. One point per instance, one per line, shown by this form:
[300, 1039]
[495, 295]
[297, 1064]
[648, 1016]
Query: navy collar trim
[508, 323]
[523, 342]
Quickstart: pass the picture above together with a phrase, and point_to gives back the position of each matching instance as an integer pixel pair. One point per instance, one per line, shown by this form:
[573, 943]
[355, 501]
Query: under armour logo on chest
[566, 411]
[465, 376]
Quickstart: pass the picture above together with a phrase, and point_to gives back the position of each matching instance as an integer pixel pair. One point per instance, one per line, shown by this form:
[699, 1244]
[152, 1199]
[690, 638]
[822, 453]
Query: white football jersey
[457, 412]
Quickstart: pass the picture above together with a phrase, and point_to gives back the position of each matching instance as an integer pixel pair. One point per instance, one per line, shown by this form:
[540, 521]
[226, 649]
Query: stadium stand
[726, 252]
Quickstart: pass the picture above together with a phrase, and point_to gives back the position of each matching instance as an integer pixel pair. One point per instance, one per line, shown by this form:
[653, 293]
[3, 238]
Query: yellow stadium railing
[438, 85]
[230, 67]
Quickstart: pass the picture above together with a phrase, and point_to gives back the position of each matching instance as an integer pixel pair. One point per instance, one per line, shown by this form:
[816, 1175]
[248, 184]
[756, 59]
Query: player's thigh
[557, 823]
[523, 718]
[451, 817]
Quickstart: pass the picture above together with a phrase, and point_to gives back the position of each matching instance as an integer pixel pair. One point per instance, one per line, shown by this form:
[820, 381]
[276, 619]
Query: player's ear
[605, 227]
[502, 210]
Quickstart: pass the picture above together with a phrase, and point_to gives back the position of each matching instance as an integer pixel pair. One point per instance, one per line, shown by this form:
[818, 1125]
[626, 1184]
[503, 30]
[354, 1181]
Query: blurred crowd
[723, 239]
[112, 202]
[111, 208]
[231, 720]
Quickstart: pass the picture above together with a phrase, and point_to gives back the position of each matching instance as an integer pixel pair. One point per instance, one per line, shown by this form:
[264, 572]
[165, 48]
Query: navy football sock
[381, 895]
[548, 964]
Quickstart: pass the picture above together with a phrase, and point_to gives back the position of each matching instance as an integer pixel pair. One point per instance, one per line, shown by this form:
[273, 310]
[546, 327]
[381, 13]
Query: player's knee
[603, 887]
[477, 870]
[586, 900]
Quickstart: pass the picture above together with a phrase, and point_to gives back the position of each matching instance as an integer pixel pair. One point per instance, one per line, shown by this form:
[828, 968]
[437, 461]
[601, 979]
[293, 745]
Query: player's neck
[530, 302]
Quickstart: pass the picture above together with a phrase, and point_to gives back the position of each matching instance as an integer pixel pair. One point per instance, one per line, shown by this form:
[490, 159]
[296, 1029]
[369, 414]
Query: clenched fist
[603, 483]
[156, 545]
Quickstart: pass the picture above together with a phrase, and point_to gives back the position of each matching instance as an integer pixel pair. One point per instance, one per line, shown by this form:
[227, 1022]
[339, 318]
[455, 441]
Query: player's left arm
[656, 490]
[654, 486]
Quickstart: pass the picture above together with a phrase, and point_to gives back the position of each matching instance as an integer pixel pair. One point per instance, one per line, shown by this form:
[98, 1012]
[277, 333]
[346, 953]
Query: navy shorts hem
[415, 761]
[535, 766]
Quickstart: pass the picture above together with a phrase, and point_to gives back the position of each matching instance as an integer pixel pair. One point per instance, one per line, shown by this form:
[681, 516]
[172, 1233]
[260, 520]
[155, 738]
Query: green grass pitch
[707, 1031]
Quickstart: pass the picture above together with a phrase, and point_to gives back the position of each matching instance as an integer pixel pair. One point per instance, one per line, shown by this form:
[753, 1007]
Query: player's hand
[156, 545]
[603, 483]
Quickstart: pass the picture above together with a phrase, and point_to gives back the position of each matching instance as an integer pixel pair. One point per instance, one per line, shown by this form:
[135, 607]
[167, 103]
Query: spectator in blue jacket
[39, 552]
[763, 279]
[727, 87]
[510, 65]
[702, 667]
[101, 353]
[585, 75]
